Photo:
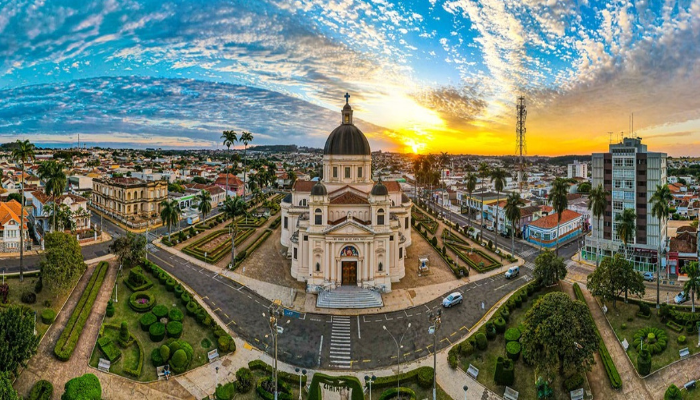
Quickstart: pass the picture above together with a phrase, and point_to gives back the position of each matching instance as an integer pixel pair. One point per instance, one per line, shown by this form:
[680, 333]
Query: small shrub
[673, 393]
[513, 350]
[466, 349]
[147, 320]
[500, 325]
[185, 297]
[38, 286]
[156, 331]
[681, 339]
[517, 300]
[644, 308]
[170, 285]
[225, 392]
[425, 377]
[47, 303]
[192, 308]
[109, 311]
[42, 390]
[224, 342]
[490, 330]
[179, 290]
[48, 316]
[481, 341]
[512, 335]
[206, 343]
[573, 382]
[164, 353]
[452, 360]
[644, 362]
[505, 314]
[244, 380]
[623, 327]
[28, 298]
[175, 315]
[160, 311]
[174, 329]
[156, 357]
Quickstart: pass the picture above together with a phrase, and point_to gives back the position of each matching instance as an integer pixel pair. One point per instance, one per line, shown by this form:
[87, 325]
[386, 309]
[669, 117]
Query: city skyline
[423, 77]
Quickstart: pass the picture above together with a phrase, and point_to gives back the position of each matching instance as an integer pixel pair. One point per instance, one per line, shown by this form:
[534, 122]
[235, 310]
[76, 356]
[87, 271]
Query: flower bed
[197, 250]
[142, 302]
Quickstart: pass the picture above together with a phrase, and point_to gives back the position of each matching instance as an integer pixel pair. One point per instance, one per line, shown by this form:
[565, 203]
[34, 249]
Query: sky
[423, 76]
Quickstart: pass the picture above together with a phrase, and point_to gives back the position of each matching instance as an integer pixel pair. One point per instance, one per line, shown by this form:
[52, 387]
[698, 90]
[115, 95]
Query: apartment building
[577, 169]
[129, 200]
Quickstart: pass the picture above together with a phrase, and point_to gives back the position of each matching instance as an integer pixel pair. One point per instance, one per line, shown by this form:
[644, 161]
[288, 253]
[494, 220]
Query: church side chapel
[346, 229]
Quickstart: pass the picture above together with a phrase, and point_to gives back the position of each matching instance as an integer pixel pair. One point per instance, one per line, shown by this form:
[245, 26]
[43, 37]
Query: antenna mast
[520, 139]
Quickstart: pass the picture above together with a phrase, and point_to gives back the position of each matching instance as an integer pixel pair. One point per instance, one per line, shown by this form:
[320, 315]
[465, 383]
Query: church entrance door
[349, 273]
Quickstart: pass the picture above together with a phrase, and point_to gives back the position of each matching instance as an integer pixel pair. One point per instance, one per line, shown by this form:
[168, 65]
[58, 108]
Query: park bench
[690, 385]
[625, 345]
[576, 394]
[213, 355]
[104, 365]
[163, 372]
[473, 371]
[510, 394]
[683, 353]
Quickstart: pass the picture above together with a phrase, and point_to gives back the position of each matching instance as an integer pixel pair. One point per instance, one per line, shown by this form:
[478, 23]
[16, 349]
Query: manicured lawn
[525, 377]
[261, 375]
[421, 393]
[192, 332]
[626, 314]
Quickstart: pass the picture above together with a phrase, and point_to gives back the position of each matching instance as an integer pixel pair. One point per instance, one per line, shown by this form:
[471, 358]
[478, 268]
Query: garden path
[45, 366]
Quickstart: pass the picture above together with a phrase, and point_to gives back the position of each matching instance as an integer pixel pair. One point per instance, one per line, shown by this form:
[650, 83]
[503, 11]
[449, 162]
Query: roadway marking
[227, 317]
[340, 352]
[358, 328]
[205, 297]
[217, 309]
[231, 322]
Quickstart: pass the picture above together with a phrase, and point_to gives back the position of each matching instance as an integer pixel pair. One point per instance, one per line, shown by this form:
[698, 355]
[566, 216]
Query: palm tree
[693, 284]
[498, 177]
[557, 197]
[660, 209]
[230, 138]
[597, 203]
[416, 170]
[54, 181]
[204, 199]
[169, 213]
[625, 226]
[232, 209]
[470, 181]
[246, 137]
[21, 154]
[512, 210]
[484, 173]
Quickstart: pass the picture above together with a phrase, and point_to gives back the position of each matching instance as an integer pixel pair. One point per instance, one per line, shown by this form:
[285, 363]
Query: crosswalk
[340, 351]
[530, 265]
[529, 252]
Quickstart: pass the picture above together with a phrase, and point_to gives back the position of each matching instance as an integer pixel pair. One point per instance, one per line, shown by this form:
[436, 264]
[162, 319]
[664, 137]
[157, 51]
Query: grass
[421, 393]
[260, 375]
[626, 314]
[524, 373]
[57, 298]
[192, 332]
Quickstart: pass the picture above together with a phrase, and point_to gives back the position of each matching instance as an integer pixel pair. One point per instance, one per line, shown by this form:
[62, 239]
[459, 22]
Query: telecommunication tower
[520, 140]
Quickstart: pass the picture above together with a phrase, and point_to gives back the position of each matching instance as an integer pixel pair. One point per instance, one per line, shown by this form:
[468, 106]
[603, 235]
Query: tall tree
[512, 210]
[22, 153]
[55, 181]
[660, 209]
[170, 214]
[130, 248]
[62, 216]
[597, 203]
[246, 137]
[232, 209]
[484, 172]
[559, 201]
[558, 335]
[204, 199]
[614, 276]
[549, 268]
[62, 263]
[470, 183]
[625, 226]
[229, 137]
[7, 392]
[18, 342]
[693, 283]
[498, 178]
[417, 162]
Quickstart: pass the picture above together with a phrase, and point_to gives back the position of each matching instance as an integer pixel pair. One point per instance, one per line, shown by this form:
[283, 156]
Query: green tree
[22, 153]
[7, 392]
[470, 183]
[693, 283]
[549, 268]
[62, 263]
[229, 137]
[498, 177]
[86, 387]
[660, 210]
[55, 181]
[484, 172]
[584, 187]
[17, 340]
[169, 214]
[200, 180]
[246, 137]
[558, 334]
[129, 249]
[233, 207]
[673, 393]
[15, 196]
[559, 201]
[625, 225]
[62, 216]
[204, 206]
[615, 276]
[597, 203]
[512, 211]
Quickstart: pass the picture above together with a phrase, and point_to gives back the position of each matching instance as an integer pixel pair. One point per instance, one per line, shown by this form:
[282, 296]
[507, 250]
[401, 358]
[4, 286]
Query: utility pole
[435, 318]
[520, 140]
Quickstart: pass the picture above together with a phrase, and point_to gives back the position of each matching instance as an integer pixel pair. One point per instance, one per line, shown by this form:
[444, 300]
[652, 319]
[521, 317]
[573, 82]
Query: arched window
[318, 217]
[380, 216]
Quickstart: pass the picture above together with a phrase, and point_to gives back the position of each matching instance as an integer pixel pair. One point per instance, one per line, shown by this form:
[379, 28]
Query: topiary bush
[160, 311]
[244, 380]
[490, 330]
[655, 339]
[42, 390]
[466, 349]
[109, 312]
[156, 331]
[512, 335]
[517, 300]
[48, 316]
[164, 352]
[505, 314]
[192, 308]
[185, 297]
[513, 350]
[170, 285]
[157, 357]
[179, 290]
[681, 339]
[162, 277]
[500, 325]
[644, 362]
[175, 315]
[224, 342]
[28, 298]
[142, 302]
[425, 377]
[481, 341]
[86, 387]
[174, 329]
[225, 392]
[179, 361]
[504, 374]
[644, 309]
[124, 334]
[147, 320]
[673, 393]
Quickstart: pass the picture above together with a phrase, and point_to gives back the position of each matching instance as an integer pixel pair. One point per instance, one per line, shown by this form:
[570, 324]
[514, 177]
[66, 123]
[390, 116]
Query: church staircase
[349, 297]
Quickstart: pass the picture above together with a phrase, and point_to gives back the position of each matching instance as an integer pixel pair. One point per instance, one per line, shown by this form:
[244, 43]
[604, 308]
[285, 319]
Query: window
[335, 172]
[391, 238]
[380, 216]
[295, 253]
[318, 217]
[306, 238]
[359, 172]
[347, 172]
[286, 223]
[318, 267]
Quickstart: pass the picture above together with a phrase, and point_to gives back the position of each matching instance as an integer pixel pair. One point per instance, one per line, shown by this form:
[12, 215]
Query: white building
[347, 229]
[577, 169]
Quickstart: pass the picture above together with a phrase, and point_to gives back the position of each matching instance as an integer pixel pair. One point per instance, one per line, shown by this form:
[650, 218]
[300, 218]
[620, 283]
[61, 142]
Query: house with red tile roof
[546, 231]
[9, 227]
[235, 184]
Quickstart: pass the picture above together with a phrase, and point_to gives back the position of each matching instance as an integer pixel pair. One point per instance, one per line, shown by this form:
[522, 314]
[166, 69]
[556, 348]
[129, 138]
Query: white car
[452, 299]
[681, 298]
[512, 272]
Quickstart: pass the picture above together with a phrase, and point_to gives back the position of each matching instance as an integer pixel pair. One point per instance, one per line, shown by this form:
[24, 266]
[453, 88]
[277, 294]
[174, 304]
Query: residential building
[9, 227]
[235, 184]
[129, 200]
[41, 220]
[543, 232]
[577, 170]
[630, 174]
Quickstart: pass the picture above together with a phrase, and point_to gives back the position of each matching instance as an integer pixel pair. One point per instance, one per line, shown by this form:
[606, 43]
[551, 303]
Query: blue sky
[423, 75]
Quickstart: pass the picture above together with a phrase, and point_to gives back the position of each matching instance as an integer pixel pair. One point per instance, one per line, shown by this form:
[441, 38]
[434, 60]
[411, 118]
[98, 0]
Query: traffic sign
[291, 313]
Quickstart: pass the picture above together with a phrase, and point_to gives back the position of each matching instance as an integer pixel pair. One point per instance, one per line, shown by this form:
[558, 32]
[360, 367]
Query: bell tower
[347, 111]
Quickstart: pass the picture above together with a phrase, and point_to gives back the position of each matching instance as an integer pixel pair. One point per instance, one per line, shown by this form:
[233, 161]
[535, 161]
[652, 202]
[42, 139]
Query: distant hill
[276, 148]
[564, 160]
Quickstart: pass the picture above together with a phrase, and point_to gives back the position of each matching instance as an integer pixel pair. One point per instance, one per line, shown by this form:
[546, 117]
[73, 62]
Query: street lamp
[369, 381]
[303, 373]
[465, 391]
[275, 314]
[398, 353]
[435, 318]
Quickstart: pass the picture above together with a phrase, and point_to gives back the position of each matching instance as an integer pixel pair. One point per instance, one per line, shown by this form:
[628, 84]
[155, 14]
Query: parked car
[648, 276]
[452, 299]
[512, 272]
[504, 234]
[680, 298]
[489, 228]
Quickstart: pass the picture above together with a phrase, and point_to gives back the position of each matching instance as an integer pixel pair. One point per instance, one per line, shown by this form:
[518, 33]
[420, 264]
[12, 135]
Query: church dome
[379, 189]
[319, 189]
[347, 139]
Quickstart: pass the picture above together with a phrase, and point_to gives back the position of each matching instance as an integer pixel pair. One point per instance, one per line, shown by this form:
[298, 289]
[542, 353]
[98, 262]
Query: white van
[512, 272]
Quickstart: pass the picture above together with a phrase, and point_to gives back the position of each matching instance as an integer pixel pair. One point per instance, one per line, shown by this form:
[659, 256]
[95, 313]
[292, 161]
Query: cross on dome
[347, 98]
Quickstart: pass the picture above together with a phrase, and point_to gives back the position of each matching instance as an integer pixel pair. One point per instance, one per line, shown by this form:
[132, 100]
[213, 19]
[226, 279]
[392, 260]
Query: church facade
[346, 229]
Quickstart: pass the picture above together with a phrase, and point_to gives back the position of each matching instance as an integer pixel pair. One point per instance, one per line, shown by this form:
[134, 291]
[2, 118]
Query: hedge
[69, 337]
[147, 320]
[156, 332]
[505, 373]
[283, 390]
[225, 392]
[216, 254]
[396, 392]
[136, 305]
[258, 365]
[174, 329]
[659, 344]
[111, 351]
[137, 281]
[348, 381]
[417, 375]
[86, 387]
[512, 335]
[48, 316]
[42, 390]
[160, 311]
[608, 363]
[170, 285]
[251, 248]
[513, 350]
[192, 308]
[175, 315]
[135, 372]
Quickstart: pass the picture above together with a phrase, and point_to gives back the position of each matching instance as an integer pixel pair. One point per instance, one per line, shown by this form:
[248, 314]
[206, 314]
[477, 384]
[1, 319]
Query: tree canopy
[86, 387]
[615, 276]
[549, 268]
[62, 264]
[558, 333]
[17, 340]
[7, 392]
[129, 249]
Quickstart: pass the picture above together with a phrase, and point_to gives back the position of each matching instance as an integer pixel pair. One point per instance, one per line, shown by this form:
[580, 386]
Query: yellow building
[130, 200]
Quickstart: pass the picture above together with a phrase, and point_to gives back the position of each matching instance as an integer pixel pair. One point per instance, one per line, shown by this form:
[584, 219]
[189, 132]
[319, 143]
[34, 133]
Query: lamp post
[368, 381]
[398, 353]
[435, 318]
[274, 315]
[303, 373]
[465, 391]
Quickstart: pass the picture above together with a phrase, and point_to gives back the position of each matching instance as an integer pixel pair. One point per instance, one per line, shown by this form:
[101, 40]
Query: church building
[347, 229]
